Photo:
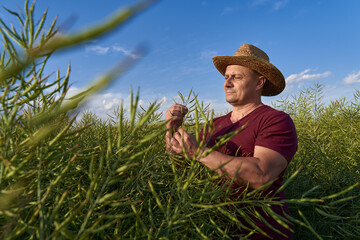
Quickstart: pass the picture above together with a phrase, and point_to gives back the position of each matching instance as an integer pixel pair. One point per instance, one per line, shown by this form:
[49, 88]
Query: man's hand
[183, 140]
[175, 114]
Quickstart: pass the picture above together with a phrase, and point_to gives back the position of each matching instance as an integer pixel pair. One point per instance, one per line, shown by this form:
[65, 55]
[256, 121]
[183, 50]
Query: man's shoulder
[270, 112]
[266, 116]
[273, 117]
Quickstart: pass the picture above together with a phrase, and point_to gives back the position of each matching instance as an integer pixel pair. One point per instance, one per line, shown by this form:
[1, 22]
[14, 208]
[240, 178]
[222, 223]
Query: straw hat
[256, 59]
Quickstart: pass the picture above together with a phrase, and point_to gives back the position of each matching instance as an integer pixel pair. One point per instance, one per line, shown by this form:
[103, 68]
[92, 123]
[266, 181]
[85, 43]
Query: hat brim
[276, 81]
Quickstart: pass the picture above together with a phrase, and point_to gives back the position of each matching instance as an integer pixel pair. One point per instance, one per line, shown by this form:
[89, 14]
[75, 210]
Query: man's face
[241, 85]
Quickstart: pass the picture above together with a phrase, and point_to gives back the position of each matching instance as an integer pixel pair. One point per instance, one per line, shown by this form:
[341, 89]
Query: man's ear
[261, 82]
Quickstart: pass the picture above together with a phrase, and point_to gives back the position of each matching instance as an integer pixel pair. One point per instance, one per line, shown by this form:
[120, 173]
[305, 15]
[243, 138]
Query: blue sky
[309, 41]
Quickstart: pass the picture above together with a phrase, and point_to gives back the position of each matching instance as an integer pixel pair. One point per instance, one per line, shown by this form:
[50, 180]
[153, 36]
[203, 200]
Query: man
[261, 151]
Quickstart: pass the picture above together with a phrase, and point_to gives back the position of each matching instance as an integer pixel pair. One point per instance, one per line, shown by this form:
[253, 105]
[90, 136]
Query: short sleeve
[279, 134]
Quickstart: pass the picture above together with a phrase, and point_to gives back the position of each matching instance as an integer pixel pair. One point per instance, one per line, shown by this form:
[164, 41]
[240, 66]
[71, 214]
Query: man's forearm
[246, 170]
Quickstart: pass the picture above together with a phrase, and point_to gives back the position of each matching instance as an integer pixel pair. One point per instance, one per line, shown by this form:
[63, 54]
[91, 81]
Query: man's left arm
[265, 165]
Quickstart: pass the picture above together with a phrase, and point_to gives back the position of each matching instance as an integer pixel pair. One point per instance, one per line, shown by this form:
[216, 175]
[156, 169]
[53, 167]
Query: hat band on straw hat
[256, 59]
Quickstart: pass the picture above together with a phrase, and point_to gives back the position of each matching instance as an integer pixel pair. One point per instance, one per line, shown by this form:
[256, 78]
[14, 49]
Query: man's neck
[241, 111]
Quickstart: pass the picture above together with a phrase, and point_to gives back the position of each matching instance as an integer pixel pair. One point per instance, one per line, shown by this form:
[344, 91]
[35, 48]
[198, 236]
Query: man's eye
[235, 77]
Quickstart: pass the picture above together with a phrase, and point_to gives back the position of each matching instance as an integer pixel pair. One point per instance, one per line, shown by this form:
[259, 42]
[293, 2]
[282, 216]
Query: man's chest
[242, 144]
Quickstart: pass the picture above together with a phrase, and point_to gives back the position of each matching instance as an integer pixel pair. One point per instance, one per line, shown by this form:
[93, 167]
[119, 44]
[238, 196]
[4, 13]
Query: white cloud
[110, 102]
[279, 4]
[288, 88]
[102, 50]
[97, 49]
[124, 51]
[352, 78]
[207, 54]
[100, 104]
[104, 104]
[298, 77]
[72, 91]
[218, 106]
[258, 2]
[276, 5]
[227, 10]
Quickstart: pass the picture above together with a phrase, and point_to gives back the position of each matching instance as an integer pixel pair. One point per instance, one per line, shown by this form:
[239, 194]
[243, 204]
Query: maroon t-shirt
[266, 127]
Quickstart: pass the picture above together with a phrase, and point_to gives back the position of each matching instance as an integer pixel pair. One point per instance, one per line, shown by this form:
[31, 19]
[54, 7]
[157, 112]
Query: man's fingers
[174, 123]
[174, 142]
[176, 146]
[182, 137]
[177, 137]
[180, 108]
[182, 131]
[184, 134]
[176, 119]
[175, 113]
[176, 110]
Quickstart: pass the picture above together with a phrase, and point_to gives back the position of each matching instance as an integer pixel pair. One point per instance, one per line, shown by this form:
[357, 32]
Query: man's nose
[228, 82]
